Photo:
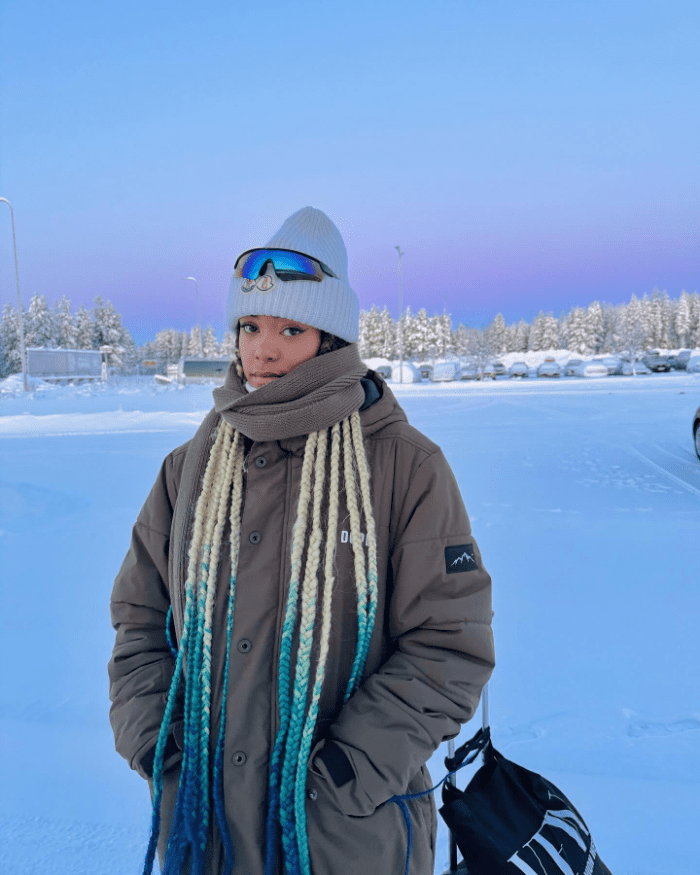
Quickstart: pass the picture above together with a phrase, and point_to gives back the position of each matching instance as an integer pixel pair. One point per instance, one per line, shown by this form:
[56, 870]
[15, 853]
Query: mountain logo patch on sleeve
[460, 558]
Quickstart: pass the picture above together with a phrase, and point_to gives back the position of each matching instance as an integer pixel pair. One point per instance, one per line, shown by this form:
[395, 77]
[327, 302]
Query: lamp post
[20, 318]
[196, 285]
[398, 249]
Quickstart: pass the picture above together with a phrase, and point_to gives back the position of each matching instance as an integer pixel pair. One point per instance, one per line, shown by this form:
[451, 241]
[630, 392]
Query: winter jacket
[430, 655]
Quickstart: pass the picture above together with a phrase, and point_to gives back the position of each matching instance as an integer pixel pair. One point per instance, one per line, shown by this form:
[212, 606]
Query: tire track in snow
[681, 481]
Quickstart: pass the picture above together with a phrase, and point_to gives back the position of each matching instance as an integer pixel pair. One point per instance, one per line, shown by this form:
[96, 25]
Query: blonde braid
[359, 557]
[363, 469]
[216, 523]
[294, 779]
[312, 715]
[236, 464]
[284, 674]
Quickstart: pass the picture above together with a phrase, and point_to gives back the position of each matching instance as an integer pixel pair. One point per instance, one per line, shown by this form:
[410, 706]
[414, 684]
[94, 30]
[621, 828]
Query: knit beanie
[329, 305]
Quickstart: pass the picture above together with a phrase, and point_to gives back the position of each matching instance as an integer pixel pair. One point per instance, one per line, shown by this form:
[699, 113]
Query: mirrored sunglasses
[288, 265]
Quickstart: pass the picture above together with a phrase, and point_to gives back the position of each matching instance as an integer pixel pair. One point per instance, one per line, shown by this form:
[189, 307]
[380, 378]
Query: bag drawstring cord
[463, 757]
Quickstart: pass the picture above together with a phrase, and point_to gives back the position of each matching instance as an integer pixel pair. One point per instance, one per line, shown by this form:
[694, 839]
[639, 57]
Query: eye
[248, 327]
[292, 331]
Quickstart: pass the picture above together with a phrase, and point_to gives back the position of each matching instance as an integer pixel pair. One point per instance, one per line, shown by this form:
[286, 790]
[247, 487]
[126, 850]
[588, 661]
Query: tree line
[652, 321]
[644, 323]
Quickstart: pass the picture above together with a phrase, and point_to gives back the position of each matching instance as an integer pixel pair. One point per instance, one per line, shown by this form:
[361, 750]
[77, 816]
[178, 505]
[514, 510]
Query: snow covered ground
[585, 499]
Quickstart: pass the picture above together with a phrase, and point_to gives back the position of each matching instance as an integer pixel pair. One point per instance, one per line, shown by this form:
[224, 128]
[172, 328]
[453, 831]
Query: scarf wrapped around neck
[314, 396]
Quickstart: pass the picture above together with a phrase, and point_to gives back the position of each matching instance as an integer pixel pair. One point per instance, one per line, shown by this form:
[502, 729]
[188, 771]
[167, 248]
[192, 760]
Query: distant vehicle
[426, 370]
[66, 364]
[406, 373]
[693, 365]
[445, 372]
[680, 362]
[614, 365]
[656, 362]
[519, 369]
[592, 369]
[639, 368]
[380, 366]
[470, 372]
[696, 432]
[201, 370]
[549, 368]
[570, 367]
[499, 368]
[488, 373]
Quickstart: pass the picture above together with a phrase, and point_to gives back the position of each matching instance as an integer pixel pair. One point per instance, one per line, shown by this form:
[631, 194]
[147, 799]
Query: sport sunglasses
[288, 265]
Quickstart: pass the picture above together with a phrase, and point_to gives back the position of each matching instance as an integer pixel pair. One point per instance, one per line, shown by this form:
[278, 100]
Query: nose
[267, 349]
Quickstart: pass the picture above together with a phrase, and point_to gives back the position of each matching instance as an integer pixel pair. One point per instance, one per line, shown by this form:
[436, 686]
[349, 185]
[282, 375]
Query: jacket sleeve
[141, 667]
[439, 619]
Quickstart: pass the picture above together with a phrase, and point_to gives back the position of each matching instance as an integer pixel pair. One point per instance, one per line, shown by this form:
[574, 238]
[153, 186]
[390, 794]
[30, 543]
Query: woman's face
[271, 347]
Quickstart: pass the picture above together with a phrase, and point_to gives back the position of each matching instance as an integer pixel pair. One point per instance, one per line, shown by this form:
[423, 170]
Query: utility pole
[398, 249]
[20, 317]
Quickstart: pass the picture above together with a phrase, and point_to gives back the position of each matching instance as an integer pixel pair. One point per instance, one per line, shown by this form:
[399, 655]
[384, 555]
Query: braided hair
[329, 456]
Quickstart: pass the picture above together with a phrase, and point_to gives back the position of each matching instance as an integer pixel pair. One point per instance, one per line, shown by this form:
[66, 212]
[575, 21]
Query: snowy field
[585, 499]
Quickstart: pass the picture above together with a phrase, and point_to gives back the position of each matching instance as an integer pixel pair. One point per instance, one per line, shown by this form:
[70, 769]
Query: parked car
[499, 368]
[639, 368]
[614, 365]
[488, 373]
[693, 365]
[656, 362]
[469, 372]
[426, 370]
[518, 369]
[446, 371]
[380, 366]
[570, 367]
[549, 368]
[592, 369]
[696, 432]
[680, 361]
[406, 373]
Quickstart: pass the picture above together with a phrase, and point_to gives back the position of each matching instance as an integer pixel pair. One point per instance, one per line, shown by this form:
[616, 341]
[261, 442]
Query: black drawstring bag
[509, 820]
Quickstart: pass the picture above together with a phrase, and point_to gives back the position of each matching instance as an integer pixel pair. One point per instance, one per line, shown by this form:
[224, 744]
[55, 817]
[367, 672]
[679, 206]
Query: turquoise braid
[189, 832]
[284, 675]
[301, 674]
[235, 525]
[311, 717]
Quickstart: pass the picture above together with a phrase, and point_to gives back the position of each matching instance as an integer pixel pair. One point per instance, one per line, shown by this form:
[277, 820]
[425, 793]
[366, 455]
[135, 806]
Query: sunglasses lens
[287, 264]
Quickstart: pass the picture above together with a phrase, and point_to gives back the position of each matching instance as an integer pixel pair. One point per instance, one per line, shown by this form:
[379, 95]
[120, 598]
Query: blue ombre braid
[190, 826]
[303, 662]
[285, 666]
[298, 717]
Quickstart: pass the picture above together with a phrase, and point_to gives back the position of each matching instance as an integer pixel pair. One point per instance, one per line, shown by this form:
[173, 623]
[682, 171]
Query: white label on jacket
[346, 537]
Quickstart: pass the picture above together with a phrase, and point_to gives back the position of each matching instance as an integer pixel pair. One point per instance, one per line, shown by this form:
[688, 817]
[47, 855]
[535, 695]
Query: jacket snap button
[255, 537]
[244, 645]
[239, 758]
[313, 795]
[261, 461]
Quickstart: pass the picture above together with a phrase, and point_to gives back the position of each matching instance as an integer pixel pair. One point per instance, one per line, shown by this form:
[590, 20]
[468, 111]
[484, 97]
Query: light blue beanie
[329, 305]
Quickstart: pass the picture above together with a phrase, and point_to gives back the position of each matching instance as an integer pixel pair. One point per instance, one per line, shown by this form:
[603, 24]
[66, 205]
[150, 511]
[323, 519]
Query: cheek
[310, 346]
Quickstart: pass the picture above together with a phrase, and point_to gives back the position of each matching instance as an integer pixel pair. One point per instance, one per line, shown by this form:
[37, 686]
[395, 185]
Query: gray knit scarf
[322, 391]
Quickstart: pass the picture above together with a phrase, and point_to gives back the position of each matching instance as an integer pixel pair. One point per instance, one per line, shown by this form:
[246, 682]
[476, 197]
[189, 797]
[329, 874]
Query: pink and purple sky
[524, 155]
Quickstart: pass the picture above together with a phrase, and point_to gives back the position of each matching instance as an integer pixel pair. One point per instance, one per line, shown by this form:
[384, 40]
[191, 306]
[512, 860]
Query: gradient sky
[524, 155]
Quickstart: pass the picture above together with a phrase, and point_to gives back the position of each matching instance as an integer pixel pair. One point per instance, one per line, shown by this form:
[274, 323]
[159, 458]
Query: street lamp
[19, 300]
[196, 285]
[398, 249]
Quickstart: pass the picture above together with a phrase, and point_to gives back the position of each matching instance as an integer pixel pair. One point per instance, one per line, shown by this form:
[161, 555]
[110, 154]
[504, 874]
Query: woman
[303, 615]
